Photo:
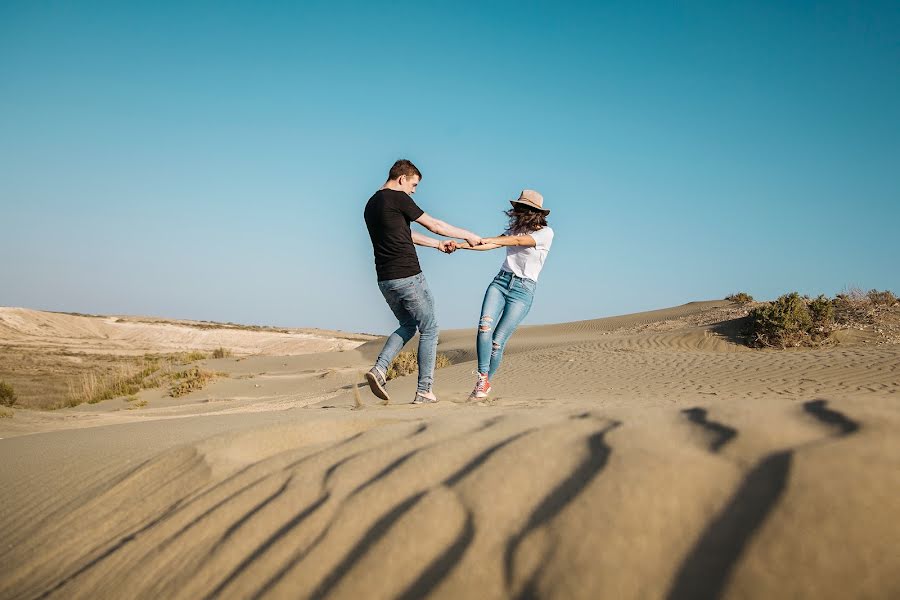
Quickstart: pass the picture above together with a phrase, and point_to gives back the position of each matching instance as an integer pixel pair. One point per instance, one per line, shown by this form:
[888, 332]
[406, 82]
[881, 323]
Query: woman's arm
[510, 240]
[466, 246]
[499, 242]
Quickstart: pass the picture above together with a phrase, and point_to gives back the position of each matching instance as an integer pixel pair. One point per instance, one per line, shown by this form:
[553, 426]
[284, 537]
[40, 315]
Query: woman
[509, 296]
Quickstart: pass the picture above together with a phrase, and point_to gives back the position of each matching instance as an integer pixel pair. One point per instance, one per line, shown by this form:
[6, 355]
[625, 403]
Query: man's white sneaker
[423, 399]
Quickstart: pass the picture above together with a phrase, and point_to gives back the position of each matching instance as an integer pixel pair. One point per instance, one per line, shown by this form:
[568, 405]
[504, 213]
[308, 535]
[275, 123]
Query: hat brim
[545, 211]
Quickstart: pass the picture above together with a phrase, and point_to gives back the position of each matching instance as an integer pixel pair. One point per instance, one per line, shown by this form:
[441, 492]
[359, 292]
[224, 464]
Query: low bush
[885, 298]
[408, 362]
[795, 320]
[855, 308]
[790, 321]
[821, 310]
[7, 394]
[740, 298]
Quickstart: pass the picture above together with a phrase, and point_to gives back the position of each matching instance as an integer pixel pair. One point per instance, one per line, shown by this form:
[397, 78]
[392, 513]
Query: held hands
[447, 246]
[451, 246]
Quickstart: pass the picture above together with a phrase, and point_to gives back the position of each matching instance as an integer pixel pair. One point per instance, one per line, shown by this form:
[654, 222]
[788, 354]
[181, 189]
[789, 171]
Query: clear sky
[211, 160]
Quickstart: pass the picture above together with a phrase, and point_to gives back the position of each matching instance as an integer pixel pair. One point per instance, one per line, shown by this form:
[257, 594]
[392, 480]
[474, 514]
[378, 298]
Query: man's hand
[447, 247]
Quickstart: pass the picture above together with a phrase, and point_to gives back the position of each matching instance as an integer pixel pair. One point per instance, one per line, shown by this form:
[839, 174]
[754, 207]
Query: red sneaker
[482, 388]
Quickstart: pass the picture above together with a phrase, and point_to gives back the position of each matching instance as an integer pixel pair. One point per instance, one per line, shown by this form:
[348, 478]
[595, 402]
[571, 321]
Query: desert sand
[139, 335]
[642, 456]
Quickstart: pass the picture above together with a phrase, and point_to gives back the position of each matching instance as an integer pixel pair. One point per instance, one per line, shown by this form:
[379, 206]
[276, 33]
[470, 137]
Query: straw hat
[531, 199]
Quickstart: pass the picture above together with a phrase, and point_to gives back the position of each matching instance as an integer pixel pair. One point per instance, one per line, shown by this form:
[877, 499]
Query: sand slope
[139, 335]
[638, 457]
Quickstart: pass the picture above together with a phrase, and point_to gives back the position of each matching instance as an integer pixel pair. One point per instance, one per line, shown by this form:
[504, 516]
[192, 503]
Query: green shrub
[740, 298]
[7, 394]
[821, 310]
[408, 362]
[791, 321]
[780, 324]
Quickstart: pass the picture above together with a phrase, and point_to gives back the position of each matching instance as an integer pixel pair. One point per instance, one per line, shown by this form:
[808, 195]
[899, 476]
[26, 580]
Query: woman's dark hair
[525, 220]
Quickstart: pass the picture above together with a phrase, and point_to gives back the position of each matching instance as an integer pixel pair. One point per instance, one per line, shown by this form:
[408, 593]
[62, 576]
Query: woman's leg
[516, 308]
[491, 309]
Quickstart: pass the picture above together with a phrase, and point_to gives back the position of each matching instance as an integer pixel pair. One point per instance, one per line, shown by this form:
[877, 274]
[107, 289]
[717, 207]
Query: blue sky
[212, 160]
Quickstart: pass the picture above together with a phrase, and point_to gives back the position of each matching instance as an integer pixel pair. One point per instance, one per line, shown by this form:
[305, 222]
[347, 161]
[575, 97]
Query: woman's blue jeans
[506, 302]
[413, 305]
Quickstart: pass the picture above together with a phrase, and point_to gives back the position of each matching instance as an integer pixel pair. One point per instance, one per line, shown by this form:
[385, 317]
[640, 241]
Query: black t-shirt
[388, 215]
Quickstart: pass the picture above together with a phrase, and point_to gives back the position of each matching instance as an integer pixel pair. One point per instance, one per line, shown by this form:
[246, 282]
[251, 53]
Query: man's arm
[423, 240]
[441, 228]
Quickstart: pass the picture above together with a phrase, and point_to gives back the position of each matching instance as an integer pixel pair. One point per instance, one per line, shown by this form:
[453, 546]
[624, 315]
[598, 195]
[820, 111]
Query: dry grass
[190, 381]
[221, 353]
[408, 362]
[48, 379]
[42, 378]
[7, 394]
[126, 380]
[6, 413]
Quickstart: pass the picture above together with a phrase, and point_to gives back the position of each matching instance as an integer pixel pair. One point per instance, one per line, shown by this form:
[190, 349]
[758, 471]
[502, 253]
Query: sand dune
[139, 335]
[645, 456]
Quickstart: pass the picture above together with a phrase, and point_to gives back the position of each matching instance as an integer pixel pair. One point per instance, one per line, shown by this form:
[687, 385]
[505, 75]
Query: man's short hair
[403, 167]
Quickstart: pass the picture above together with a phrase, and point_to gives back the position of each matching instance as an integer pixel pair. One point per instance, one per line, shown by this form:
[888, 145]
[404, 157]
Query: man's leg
[423, 311]
[399, 294]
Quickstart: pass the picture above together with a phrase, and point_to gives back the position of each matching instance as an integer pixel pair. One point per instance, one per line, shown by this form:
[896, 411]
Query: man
[400, 279]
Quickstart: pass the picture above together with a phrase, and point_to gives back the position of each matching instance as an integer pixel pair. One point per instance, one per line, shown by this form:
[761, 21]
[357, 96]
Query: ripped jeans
[506, 302]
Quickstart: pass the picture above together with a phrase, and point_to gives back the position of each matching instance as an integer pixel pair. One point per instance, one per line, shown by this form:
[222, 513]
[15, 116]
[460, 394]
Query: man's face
[409, 184]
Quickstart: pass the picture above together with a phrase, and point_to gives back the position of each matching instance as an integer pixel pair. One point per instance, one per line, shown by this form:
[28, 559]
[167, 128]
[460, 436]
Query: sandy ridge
[632, 458]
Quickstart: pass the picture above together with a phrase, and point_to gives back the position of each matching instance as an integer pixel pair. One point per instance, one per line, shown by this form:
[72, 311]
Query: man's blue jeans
[506, 302]
[413, 305]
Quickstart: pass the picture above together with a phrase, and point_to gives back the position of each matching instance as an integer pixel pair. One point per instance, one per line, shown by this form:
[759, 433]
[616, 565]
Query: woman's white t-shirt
[526, 261]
